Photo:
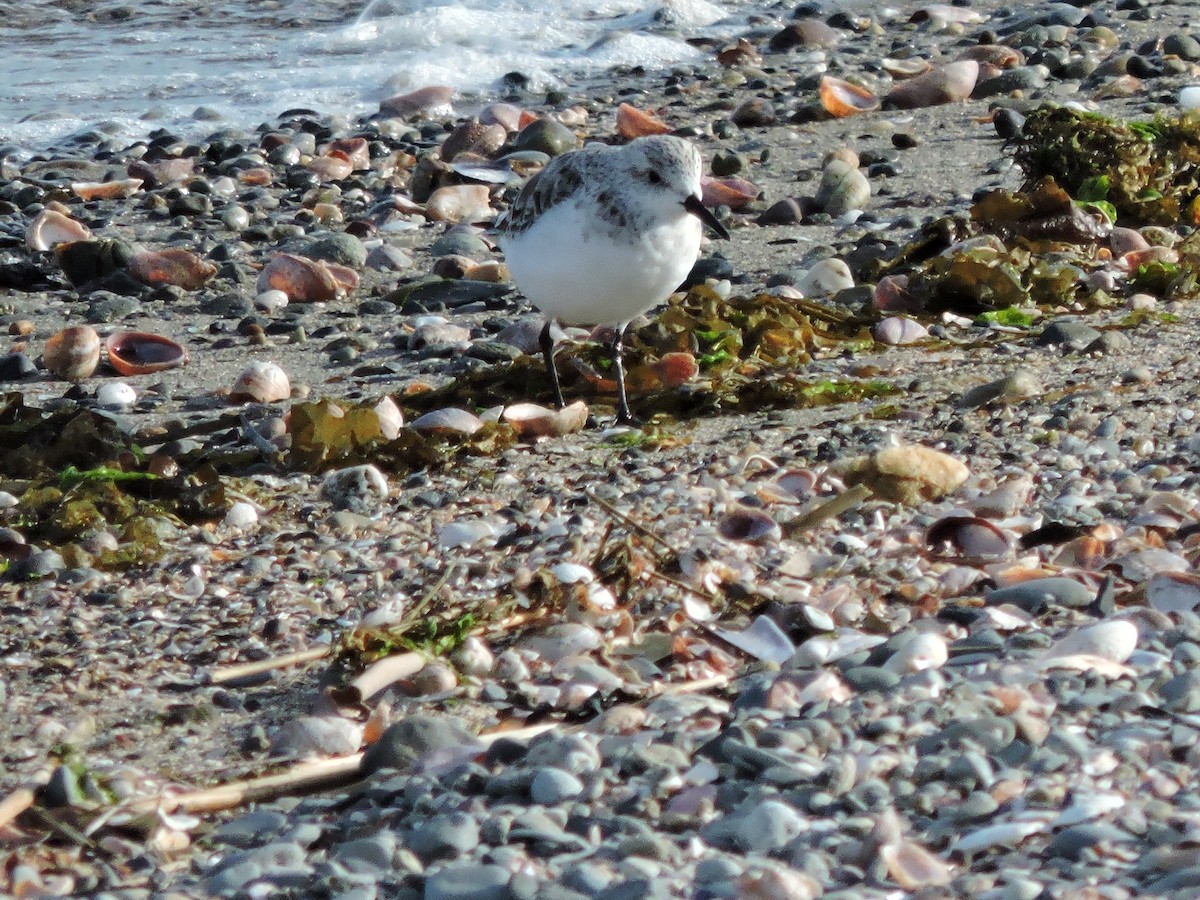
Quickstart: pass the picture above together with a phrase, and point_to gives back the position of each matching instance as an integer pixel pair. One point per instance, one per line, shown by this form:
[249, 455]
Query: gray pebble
[468, 881]
[446, 835]
[552, 786]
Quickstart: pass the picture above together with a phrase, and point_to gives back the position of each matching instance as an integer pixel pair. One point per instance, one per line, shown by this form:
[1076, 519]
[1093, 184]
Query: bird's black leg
[623, 415]
[547, 344]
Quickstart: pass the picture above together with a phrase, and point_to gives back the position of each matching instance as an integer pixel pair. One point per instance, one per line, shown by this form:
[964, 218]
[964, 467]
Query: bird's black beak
[697, 208]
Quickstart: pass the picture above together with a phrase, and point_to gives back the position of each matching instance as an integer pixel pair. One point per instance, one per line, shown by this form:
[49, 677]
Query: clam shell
[634, 123]
[843, 98]
[994, 55]
[175, 266]
[826, 277]
[448, 421]
[356, 150]
[333, 166]
[504, 114]
[115, 394]
[945, 84]
[161, 172]
[51, 228]
[73, 353]
[900, 69]
[899, 330]
[261, 382]
[969, 537]
[529, 420]
[140, 352]
[732, 192]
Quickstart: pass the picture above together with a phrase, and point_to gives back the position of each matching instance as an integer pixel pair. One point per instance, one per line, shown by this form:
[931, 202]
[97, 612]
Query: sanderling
[605, 233]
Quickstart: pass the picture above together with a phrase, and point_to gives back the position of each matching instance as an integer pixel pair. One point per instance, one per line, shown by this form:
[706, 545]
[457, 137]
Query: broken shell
[923, 651]
[106, 190]
[504, 114]
[1173, 592]
[946, 84]
[633, 122]
[892, 295]
[261, 382]
[176, 266]
[332, 167]
[301, 278]
[73, 353]
[391, 419]
[51, 228]
[900, 69]
[1114, 640]
[460, 203]
[732, 192]
[356, 150]
[532, 421]
[994, 55]
[140, 352]
[843, 98]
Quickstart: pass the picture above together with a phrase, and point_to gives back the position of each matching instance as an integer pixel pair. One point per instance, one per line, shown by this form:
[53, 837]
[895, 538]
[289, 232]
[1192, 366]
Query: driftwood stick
[245, 670]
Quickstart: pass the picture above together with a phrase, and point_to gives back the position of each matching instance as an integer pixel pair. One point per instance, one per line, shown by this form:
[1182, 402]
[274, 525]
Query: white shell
[116, 394]
[51, 228]
[241, 515]
[827, 277]
[261, 382]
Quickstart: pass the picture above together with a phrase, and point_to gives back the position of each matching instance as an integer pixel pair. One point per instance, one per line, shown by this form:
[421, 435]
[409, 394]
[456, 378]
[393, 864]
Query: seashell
[503, 114]
[331, 167]
[1135, 258]
[969, 537]
[356, 150]
[732, 192]
[746, 523]
[826, 277]
[448, 421]
[1113, 640]
[176, 266]
[529, 420]
[328, 213]
[1173, 592]
[391, 419]
[460, 203]
[475, 138]
[1126, 240]
[304, 280]
[492, 271]
[763, 639]
[106, 190]
[923, 651]
[843, 188]
[51, 228]
[73, 353]
[634, 123]
[116, 394]
[241, 515]
[1003, 834]
[944, 12]
[900, 69]
[140, 352]
[913, 867]
[843, 98]
[432, 100]
[271, 301]
[945, 84]
[261, 382]
[994, 55]
[899, 330]
[464, 534]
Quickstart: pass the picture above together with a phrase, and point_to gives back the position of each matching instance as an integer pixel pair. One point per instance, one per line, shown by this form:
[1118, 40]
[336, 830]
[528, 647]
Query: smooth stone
[16, 366]
[468, 881]
[871, 678]
[1039, 593]
[386, 258]
[343, 249]
[251, 828]
[1073, 842]
[551, 786]
[1020, 385]
[38, 564]
[1024, 78]
[461, 243]
[755, 827]
[1075, 335]
[1181, 694]
[372, 854]
[1008, 123]
[405, 742]
[546, 136]
[106, 307]
[446, 835]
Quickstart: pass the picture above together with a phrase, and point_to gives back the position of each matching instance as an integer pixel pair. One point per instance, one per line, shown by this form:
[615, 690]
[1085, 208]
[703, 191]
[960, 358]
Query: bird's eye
[653, 177]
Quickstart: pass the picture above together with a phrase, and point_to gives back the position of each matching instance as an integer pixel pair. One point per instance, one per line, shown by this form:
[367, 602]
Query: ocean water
[131, 66]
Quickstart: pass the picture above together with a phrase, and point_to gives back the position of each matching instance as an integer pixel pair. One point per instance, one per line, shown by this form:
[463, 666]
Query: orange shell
[842, 98]
[140, 352]
[634, 123]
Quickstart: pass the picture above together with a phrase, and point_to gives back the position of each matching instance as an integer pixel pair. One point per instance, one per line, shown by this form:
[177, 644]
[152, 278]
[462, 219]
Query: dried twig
[226, 674]
[846, 500]
[628, 520]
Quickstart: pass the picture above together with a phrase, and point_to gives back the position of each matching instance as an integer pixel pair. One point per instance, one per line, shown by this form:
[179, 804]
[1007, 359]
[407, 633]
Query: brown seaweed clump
[1149, 171]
